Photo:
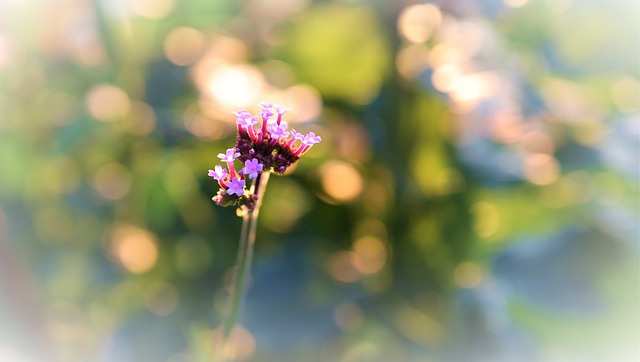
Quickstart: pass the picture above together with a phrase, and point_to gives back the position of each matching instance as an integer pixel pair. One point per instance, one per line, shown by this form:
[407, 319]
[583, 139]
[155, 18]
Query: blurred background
[475, 196]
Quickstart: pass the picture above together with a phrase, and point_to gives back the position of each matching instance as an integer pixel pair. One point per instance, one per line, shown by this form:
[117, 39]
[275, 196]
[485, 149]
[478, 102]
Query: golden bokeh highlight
[341, 268]
[107, 102]
[348, 316]
[515, 3]
[341, 181]
[200, 125]
[241, 344]
[141, 120]
[152, 9]
[369, 255]
[416, 23]
[411, 61]
[541, 168]
[305, 101]
[625, 93]
[184, 46]
[468, 274]
[472, 87]
[442, 54]
[113, 181]
[466, 37]
[445, 78]
[559, 6]
[417, 325]
[486, 218]
[235, 86]
[537, 142]
[507, 126]
[135, 248]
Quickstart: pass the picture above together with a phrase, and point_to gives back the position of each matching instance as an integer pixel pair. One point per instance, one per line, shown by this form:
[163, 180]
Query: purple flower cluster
[263, 145]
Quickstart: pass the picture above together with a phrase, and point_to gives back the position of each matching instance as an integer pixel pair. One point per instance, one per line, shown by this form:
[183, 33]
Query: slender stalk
[243, 262]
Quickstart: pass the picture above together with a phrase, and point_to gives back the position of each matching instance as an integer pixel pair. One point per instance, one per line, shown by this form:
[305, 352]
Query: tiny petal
[310, 139]
[241, 113]
[281, 109]
[266, 113]
[218, 173]
[296, 135]
[246, 120]
[230, 155]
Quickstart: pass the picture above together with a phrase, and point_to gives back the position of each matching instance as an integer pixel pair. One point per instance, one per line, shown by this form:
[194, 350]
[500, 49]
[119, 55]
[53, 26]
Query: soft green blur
[474, 198]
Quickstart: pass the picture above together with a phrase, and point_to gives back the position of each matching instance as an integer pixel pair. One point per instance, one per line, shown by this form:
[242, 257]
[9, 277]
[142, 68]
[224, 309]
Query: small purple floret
[230, 155]
[218, 173]
[278, 130]
[311, 139]
[252, 168]
[236, 187]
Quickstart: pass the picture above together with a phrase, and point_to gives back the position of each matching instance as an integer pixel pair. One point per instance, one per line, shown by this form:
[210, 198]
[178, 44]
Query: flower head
[218, 173]
[236, 186]
[252, 168]
[270, 147]
[230, 155]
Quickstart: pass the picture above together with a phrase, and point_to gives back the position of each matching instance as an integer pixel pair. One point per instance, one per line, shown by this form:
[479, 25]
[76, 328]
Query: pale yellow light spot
[241, 344]
[341, 181]
[184, 45]
[7, 50]
[106, 102]
[370, 255]
[135, 248]
[515, 3]
[468, 274]
[541, 169]
[507, 126]
[418, 325]
[141, 120]
[411, 61]
[475, 86]
[305, 101]
[200, 125]
[235, 86]
[486, 218]
[152, 9]
[445, 78]
[417, 22]
[559, 6]
[442, 54]
[537, 142]
[625, 94]
[348, 316]
[113, 181]
[466, 37]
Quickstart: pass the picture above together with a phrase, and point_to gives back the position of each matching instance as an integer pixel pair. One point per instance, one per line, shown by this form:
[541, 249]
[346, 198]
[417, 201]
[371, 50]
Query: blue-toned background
[475, 196]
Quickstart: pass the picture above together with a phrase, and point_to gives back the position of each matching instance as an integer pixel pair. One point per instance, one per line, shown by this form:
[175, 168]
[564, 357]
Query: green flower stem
[243, 262]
